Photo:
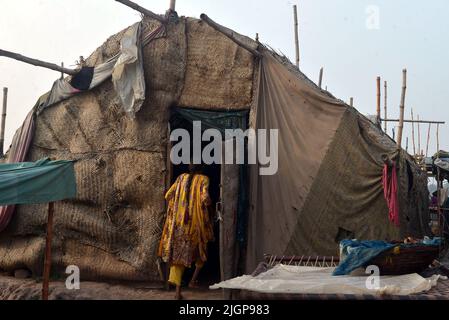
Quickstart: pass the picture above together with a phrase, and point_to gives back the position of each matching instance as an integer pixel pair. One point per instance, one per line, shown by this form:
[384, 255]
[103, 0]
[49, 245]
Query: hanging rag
[390, 184]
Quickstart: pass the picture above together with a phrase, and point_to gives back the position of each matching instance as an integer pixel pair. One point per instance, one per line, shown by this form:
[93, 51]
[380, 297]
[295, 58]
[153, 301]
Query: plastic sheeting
[128, 77]
[314, 280]
[126, 69]
[36, 182]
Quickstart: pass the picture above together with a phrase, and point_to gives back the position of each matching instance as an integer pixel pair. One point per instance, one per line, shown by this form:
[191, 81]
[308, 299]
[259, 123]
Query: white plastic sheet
[314, 280]
[128, 77]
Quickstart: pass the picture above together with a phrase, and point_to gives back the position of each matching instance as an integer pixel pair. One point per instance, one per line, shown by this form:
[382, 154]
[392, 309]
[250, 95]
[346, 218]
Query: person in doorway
[188, 227]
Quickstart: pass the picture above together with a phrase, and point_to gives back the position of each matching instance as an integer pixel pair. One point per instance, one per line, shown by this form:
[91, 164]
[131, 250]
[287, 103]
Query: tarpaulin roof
[36, 182]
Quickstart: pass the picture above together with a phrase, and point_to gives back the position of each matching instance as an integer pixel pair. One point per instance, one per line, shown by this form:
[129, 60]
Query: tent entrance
[224, 189]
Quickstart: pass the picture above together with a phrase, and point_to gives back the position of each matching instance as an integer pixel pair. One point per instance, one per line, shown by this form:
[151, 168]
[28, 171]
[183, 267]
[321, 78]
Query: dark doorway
[211, 271]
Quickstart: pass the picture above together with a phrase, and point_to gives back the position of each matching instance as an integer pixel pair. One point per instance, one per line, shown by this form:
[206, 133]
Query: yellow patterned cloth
[187, 230]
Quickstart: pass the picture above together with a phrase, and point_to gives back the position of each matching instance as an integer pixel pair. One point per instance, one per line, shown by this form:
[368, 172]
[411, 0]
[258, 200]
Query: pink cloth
[19, 149]
[390, 184]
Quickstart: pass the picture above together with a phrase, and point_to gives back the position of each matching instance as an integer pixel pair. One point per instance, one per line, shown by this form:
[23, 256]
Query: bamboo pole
[47, 258]
[36, 62]
[2, 126]
[378, 100]
[172, 5]
[385, 105]
[402, 107]
[413, 133]
[438, 141]
[320, 80]
[415, 121]
[229, 34]
[295, 17]
[142, 10]
[419, 136]
[428, 140]
[62, 73]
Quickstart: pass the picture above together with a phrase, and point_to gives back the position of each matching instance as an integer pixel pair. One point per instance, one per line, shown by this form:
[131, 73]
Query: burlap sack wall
[112, 229]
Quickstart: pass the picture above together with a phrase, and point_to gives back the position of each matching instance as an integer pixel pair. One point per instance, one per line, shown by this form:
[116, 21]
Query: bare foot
[194, 285]
[179, 296]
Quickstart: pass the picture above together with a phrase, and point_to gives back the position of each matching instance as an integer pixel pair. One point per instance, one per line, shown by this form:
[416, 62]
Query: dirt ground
[30, 289]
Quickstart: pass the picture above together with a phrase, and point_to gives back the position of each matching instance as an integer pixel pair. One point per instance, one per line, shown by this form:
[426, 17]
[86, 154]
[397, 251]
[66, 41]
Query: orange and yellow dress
[186, 232]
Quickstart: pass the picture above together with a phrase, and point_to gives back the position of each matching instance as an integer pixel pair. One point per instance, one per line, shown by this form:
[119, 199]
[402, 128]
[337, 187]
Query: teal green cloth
[36, 182]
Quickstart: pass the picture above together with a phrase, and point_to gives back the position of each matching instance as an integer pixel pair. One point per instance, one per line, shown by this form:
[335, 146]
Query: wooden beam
[2, 126]
[47, 258]
[295, 24]
[402, 107]
[142, 10]
[228, 33]
[36, 62]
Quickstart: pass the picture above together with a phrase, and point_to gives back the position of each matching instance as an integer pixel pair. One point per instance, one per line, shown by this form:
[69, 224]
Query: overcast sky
[354, 40]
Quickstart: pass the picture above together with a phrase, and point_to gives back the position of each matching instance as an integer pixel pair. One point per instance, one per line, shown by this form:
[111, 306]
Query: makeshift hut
[328, 185]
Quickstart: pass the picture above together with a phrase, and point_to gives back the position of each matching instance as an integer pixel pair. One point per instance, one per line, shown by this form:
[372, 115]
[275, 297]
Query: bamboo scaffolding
[2, 126]
[142, 10]
[295, 18]
[36, 62]
[228, 33]
[402, 107]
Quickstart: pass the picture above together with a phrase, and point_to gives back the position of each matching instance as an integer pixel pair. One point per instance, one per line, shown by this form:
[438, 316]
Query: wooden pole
[419, 136]
[47, 258]
[406, 144]
[295, 17]
[378, 100]
[62, 73]
[320, 80]
[438, 141]
[402, 107]
[2, 126]
[385, 106]
[36, 62]
[428, 140]
[415, 121]
[172, 5]
[142, 10]
[228, 33]
[351, 101]
[413, 133]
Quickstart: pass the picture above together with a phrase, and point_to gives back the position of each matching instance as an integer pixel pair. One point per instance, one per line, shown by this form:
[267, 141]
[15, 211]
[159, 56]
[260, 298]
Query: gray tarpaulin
[329, 182]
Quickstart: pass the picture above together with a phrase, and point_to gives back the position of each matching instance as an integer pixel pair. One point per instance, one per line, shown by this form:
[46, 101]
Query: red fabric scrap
[390, 184]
